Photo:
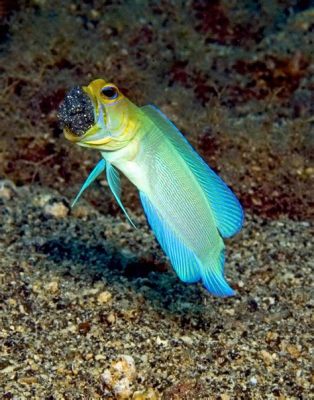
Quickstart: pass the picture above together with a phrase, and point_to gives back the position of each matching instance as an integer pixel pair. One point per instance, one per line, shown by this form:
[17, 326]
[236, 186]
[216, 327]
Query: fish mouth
[82, 118]
[76, 114]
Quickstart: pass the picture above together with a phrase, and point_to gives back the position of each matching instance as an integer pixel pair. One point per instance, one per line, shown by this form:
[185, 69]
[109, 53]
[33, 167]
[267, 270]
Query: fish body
[189, 208]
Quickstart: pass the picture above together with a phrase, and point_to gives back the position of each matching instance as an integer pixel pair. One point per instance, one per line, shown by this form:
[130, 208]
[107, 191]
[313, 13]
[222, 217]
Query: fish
[189, 208]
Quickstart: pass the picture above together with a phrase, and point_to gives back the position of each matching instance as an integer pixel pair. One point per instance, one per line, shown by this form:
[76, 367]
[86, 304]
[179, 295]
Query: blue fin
[183, 259]
[98, 169]
[187, 266]
[226, 208]
[212, 274]
[113, 179]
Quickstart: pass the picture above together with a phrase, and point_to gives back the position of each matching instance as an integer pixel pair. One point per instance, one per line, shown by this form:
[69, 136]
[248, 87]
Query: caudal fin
[212, 274]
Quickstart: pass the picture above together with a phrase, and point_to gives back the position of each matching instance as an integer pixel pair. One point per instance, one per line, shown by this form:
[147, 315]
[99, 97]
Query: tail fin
[212, 273]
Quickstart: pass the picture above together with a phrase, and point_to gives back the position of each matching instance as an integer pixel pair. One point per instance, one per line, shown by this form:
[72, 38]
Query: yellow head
[98, 116]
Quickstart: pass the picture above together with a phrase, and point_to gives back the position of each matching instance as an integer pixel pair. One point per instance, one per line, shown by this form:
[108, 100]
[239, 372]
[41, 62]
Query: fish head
[97, 116]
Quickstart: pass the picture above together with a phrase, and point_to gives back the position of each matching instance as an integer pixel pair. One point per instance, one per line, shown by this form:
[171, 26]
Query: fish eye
[110, 92]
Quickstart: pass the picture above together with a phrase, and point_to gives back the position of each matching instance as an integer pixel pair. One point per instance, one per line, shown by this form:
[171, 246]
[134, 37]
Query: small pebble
[104, 297]
[56, 210]
[95, 14]
[80, 211]
[120, 377]
[7, 189]
[28, 380]
[99, 357]
[187, 340]
[84, 327]
[111, 318]
[148, 394]
[294, 350]
[5, 193]
[161, 342]
[52, 287]
[253, 381]
[266, 356]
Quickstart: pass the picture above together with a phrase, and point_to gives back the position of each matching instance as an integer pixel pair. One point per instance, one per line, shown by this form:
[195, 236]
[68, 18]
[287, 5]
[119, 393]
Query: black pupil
[110, 92]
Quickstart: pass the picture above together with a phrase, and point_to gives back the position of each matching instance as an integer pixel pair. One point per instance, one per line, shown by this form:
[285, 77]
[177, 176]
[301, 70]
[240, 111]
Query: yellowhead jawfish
[188, 207]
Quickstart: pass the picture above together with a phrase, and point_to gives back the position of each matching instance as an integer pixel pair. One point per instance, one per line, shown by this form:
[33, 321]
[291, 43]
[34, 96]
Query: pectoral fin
[98, 169]
[113, 179]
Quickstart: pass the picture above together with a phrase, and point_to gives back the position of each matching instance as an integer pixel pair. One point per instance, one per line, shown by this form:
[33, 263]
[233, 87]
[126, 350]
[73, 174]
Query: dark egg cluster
[76, 112]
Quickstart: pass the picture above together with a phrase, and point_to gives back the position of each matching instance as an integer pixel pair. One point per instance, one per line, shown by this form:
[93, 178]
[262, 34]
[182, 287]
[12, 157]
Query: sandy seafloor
[89, 307]
[74, 299]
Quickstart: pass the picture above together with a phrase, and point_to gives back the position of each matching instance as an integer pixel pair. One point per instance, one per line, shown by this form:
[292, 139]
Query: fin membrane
[212, 274]
[98, 169]
[113, 179]
[226, 208]
[187, 266]
[182, 259]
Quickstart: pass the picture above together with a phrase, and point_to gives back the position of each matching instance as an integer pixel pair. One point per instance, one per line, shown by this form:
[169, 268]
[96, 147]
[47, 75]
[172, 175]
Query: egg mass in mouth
[76, 112]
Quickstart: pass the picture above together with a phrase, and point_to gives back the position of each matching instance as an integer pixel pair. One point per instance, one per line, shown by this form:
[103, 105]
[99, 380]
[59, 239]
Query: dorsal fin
[226, 208]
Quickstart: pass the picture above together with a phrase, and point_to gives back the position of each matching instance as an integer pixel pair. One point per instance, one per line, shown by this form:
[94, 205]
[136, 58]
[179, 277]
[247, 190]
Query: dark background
[235, 76]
